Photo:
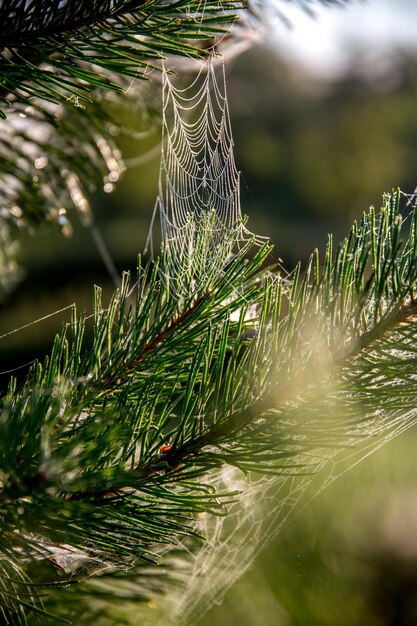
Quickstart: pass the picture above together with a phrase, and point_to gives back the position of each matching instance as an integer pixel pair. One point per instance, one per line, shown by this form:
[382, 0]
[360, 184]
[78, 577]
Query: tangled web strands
[199, 184]
[264, 506]
[266, 503]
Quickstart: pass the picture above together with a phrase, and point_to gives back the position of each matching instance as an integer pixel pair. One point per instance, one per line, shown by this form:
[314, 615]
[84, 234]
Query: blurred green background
[315, 149]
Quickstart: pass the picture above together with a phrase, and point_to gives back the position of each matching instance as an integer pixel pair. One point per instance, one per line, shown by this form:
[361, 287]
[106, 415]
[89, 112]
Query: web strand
[199, 183]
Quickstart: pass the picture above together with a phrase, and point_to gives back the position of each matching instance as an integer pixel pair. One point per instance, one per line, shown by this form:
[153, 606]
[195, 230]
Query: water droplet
[113, 176]
[16, 211]
[41, 163]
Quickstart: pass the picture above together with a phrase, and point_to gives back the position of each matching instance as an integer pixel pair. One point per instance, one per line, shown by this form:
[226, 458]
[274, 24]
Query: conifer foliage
[112, 450]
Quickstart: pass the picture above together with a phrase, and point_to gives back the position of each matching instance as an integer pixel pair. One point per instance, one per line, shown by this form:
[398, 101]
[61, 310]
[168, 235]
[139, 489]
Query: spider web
[266, 503]
[199, 183]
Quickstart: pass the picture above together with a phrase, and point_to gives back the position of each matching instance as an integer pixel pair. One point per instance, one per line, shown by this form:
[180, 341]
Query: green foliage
[85, 430]
[74, 39]
[58, 63]
[58, 60]
[112, 449]
[108, 448]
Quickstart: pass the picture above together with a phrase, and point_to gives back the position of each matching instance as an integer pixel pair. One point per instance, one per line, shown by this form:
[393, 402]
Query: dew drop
[16, 211]
[113, 176]
[114, 130]
[41, 163]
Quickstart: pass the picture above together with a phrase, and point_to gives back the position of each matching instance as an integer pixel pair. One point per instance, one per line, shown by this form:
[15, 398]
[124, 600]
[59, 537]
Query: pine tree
[217, 389]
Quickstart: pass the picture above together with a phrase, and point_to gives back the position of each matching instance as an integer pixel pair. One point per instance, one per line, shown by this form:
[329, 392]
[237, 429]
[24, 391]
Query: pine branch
[110, 449]
[78, 40]
[112, 452]
[42, 20]
[52, 158]
[57, 63]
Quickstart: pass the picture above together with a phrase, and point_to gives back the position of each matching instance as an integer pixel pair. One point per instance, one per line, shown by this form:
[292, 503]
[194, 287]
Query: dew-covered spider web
[199, 183]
